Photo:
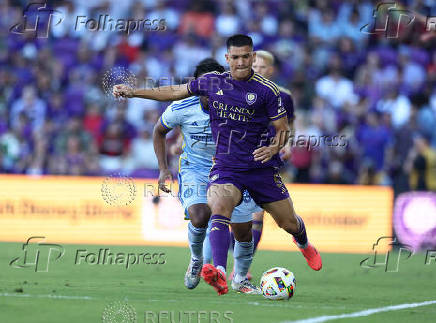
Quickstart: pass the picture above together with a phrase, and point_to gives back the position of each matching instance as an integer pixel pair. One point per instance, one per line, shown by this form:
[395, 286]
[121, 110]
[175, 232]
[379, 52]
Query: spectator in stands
[421, 165]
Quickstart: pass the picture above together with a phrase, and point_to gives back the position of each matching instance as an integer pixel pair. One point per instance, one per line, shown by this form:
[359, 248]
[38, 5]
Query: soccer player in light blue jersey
[194, 165]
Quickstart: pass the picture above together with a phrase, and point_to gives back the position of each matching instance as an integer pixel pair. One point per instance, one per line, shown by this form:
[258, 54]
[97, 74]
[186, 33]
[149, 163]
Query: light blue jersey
[198, 145]
[196, 160]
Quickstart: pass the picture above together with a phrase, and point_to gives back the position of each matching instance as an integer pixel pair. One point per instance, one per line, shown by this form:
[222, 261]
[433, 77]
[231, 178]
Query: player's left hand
[285, 153]
[265, 153]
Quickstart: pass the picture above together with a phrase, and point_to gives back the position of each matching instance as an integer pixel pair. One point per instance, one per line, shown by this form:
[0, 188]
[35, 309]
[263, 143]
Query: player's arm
[161, 93]
[265, 153]
[176, 148]
[285, 152]
[160, 149]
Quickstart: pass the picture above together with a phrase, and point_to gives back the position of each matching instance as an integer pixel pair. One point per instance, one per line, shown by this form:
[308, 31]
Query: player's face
[240, 60]
[262, 67]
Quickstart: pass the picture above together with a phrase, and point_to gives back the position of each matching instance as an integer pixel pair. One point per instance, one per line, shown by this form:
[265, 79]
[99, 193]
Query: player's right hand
[164, 175]
[122, 91]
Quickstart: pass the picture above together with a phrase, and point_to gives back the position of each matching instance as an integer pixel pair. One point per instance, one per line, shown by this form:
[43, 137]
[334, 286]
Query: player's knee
[257, 225]
[222, 209]
[243, 236]
[199, 216]
[258, 221]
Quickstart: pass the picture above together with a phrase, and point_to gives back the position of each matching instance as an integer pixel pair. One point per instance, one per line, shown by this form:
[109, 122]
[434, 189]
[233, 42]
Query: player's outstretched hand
[265, 153]
[164, 175]
[122, 91]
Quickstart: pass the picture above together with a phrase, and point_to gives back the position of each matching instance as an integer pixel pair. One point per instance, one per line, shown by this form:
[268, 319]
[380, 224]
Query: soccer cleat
[312, 256]
[192, 276]
[246, 287]
[215, 278]
[249, 275]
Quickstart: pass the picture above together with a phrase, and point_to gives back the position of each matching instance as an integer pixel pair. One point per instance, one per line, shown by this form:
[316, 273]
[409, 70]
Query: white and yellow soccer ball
[278, 283]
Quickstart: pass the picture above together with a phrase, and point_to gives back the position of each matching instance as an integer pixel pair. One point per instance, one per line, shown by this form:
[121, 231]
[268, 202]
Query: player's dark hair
[239, 40]
[208, 65]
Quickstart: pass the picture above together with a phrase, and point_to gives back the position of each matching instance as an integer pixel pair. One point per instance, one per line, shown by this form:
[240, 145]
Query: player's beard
[242, 72]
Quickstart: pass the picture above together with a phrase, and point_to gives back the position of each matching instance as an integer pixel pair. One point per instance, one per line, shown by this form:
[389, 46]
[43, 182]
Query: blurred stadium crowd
[380, 93]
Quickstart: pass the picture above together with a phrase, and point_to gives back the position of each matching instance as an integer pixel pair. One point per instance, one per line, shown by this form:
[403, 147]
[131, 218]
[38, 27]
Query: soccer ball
[277, 283]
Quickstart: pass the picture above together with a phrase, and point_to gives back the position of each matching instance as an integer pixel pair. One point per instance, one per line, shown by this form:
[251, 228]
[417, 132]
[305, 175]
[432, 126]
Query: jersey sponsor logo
[219, 92]
[251, 98]
[203, 138]
[188, 193]
[246, 197]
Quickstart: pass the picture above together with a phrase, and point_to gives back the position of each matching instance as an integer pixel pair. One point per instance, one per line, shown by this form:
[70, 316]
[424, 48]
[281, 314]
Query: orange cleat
[312, 256]
[215, 278]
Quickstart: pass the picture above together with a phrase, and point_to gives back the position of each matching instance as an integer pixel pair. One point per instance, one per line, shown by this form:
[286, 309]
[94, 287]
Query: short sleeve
[288, 104]
[171, 116]
[274, 104]
[202, 85]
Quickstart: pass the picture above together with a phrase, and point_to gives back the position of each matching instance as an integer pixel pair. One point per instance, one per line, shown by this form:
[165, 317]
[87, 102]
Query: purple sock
[257, 234]
[256, 238]
[301, 236]
[232, 240]
[219, 239]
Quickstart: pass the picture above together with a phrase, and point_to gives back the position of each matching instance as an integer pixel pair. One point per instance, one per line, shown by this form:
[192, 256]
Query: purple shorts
[264, 184]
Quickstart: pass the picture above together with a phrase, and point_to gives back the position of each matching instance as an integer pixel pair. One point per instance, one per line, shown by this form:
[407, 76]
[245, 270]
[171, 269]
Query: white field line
[46, 296]
[325, 318]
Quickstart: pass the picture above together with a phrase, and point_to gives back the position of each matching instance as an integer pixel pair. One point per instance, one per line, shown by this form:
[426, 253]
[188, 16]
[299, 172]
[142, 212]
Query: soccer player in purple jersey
[242, 104]
[264, 65]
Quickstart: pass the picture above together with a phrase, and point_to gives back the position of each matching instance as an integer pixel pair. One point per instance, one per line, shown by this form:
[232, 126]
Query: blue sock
[196, 238]
[243, 254]
[207, 248]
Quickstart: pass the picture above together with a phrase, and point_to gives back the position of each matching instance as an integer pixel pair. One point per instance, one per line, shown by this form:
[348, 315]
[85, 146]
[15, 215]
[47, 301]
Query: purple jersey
[240, 112]
[288, 104]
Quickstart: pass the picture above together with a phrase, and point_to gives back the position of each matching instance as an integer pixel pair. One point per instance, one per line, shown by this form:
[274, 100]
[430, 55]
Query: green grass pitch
[80, 293]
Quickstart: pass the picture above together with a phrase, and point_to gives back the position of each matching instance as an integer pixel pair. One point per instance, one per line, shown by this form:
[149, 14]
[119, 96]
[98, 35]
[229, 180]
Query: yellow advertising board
[96, 210]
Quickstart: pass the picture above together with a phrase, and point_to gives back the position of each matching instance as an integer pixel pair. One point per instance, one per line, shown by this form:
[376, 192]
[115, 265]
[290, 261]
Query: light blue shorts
[193, 190]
